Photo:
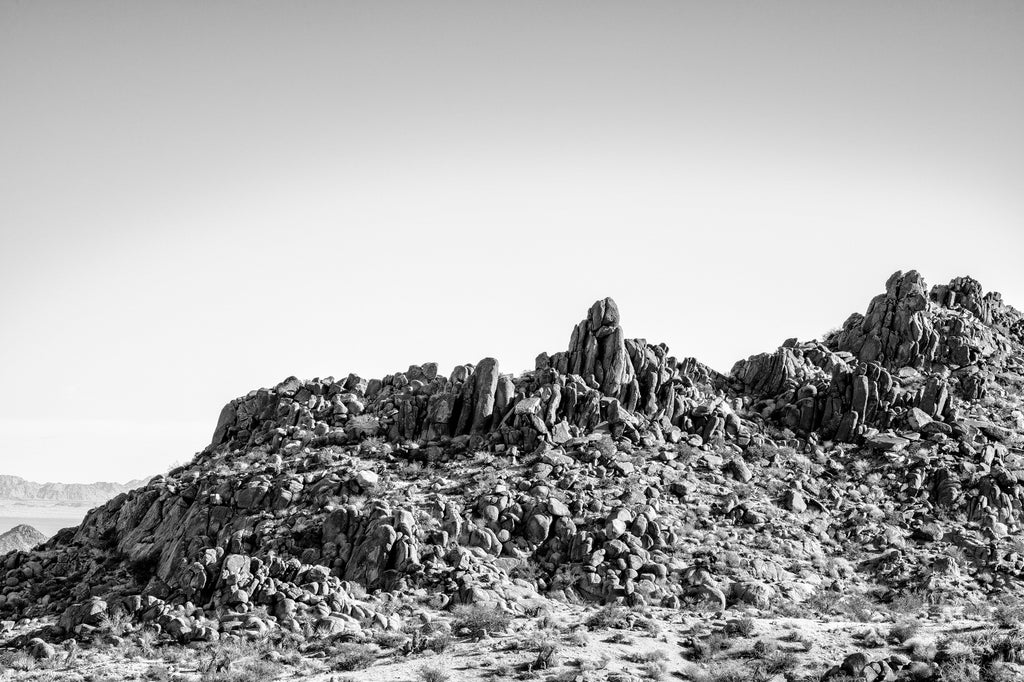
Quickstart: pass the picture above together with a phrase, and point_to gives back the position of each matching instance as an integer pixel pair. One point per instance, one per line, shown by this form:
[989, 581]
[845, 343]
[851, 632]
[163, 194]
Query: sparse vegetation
[904, 630]
[478, 621]
[647, 656]
[741, 627]
[611, 617]
[431, 674]
[707, 648]
[1009, 615]
[349, 656]
[780, 662]
[654, 670]
[729, 671]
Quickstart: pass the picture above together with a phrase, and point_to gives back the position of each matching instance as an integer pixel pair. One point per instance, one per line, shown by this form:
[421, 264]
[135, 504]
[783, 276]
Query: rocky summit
[22, 537]
[848, 508]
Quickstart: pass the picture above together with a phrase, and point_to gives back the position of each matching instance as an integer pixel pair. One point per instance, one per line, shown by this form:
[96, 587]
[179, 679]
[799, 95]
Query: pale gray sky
[203, 198]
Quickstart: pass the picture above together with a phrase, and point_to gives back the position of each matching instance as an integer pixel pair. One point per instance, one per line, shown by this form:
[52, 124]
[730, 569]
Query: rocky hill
[20, 538]
[16, 488]
[878, 465]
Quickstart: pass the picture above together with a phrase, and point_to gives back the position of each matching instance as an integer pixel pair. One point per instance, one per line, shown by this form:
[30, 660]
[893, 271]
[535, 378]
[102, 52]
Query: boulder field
[885, 458]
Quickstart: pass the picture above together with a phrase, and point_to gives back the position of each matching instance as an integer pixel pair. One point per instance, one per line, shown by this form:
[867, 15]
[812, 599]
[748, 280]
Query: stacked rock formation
[602, 378]
[896, 331]
[612, 471]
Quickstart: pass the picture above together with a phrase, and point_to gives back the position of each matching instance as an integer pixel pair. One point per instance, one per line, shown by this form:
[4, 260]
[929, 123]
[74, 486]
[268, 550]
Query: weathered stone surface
[895, 331]
[486, 383]
[613, 472]
[918, 419]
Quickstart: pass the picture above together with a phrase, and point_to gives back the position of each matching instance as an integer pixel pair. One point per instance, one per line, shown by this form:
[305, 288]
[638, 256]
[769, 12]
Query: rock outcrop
[21, 538]
[611, 472]
[17, 488]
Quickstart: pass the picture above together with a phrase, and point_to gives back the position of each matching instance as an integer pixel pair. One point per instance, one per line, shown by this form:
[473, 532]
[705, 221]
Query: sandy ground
[581, 654]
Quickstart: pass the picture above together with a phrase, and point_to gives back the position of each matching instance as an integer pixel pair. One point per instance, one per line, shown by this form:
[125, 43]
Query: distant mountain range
[17, 488]
[20, 538]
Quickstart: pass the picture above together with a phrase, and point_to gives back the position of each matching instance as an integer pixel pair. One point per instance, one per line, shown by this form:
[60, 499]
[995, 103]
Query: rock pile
[611, 472]
[21, 537]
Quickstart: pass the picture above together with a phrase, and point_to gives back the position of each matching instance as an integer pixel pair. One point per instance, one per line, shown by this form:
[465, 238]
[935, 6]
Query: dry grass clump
[728, 671]
[742, 627]
[242, 671]
[436, 637]
[780, 663]
[577, 637]
[706, 649]
[478, 621]
[904, 630]
[654, 670]
[349, 656]
[611, 617]
[431, 674]
[647, 656]
[909, 603]
[1009, 615]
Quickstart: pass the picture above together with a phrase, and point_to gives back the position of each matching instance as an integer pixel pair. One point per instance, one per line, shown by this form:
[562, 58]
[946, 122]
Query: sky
[198, 199]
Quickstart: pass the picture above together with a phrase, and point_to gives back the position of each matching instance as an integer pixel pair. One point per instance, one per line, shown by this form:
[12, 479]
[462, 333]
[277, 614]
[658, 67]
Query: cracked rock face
[895, 331]
[612, 472]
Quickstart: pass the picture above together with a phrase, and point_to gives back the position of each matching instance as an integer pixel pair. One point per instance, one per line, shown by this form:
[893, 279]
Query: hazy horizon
[200, 199]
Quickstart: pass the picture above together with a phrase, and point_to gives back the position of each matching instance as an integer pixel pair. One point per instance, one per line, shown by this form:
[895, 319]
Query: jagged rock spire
[597, 350]
[896, 331]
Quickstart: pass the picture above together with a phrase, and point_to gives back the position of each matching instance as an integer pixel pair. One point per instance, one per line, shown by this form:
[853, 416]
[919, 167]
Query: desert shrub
[649, 625]
[612, 616]
[430, 674]
[20, 661]
[434, 636]
[620, 638]
[730, 671]
[599, 664]
[654, 670]
[245, 670]
[1008, 615]
[349, 656]
[142, 644]
[958, 669]
[1008, 647]
[780, 662]
[647, 656]
[117, 622]
[157, 672]
[478, 620]
[524, 570]
[824, 602]
[438, 641]
[705, 649]
[762, 649]
[742, 627]
[857, 607]
[546, 657]
[501, 671]
[577, 637]
[909, 603]
[904, 630]
[387, 639]
[977, 611]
